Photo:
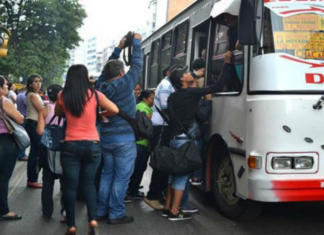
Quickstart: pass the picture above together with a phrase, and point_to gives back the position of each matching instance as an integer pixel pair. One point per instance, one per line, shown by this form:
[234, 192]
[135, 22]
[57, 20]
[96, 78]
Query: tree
[41, 33]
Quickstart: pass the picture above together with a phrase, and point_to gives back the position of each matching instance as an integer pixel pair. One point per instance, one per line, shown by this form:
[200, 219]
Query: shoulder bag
[17, 131]
[52, 140]
[53, 135]
[141, 124]
[180, 161]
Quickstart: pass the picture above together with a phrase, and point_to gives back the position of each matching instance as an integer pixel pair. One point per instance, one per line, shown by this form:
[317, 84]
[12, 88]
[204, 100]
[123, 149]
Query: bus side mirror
[250, 22]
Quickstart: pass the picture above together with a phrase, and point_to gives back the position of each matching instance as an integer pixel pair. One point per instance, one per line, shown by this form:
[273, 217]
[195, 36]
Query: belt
[181, 138]
[31, 121]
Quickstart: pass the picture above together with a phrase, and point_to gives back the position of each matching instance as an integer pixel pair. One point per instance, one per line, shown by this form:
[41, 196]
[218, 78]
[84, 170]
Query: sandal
[93, 230]
[23, 159]
[70, 231]
[34, 185]
[10, 217]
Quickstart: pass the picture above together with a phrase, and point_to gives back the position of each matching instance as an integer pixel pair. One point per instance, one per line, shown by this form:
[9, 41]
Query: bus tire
[223, 189]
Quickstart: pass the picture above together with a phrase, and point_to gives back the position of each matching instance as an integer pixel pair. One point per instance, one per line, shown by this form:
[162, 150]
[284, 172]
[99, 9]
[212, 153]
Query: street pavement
[276, 219]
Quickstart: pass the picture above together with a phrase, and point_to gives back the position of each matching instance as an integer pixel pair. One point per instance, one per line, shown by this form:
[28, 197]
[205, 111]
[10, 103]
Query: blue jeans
[32, 174]
[80, 159]
[119, 159]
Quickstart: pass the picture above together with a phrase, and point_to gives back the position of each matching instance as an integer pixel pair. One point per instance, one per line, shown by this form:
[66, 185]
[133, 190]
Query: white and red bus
[265, 141]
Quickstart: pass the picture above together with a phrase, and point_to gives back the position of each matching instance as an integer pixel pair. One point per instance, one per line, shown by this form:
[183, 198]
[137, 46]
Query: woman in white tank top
[34, 105]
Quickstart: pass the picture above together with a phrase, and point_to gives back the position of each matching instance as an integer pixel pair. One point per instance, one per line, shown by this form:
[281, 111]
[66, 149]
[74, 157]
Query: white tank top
[31, 111]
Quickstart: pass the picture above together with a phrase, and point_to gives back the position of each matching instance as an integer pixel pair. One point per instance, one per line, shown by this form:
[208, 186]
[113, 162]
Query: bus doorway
[199, 41]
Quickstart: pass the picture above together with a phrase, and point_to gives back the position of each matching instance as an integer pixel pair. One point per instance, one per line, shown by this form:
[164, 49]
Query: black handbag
[182, 161]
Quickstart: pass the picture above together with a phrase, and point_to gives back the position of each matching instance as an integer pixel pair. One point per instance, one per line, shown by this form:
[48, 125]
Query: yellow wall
[177, 6]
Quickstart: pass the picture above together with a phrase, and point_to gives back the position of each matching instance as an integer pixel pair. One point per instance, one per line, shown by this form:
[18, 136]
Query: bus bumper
[286, 190]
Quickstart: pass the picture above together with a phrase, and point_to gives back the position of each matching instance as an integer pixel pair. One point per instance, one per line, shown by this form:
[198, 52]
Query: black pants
[32, 173]
[47, 192]
[139, 169]
[159, 180]
[8, 158]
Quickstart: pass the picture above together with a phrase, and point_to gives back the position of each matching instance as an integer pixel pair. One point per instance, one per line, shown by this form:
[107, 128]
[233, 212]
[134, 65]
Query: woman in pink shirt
[81, 153]
[8, 151]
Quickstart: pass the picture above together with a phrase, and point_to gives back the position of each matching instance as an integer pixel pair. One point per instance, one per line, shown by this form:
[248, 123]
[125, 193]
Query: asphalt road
[276, 219]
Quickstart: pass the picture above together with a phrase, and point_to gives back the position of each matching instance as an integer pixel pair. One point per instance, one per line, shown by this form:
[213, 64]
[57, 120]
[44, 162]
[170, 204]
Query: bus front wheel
[226, 200]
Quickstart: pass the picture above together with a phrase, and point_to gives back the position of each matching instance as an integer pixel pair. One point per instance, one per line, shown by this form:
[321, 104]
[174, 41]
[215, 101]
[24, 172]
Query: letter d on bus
[315, 78]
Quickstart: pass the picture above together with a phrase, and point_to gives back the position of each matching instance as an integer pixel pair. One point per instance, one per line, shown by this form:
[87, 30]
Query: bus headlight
[303, 162]
[282, 163]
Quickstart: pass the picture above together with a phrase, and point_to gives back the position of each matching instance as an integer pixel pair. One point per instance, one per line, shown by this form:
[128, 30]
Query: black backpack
[141, 124]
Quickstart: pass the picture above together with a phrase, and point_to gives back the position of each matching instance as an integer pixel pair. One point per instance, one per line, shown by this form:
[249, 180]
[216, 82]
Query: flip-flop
[10, 217]
[23, 159]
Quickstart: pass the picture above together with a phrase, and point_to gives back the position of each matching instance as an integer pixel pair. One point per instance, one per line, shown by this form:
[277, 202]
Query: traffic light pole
[4, 41]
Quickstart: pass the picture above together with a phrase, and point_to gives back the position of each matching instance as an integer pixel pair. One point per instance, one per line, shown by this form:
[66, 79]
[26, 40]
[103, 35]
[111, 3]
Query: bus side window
[155, 54]
[180, 44]
[166, 50]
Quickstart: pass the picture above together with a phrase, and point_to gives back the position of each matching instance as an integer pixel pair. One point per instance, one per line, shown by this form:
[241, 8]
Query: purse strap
[52, 119]
[165, 118]
[9, 127]
[2, 110]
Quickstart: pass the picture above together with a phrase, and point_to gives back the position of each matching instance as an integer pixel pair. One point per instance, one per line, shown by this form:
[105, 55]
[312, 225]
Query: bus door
[229, 105]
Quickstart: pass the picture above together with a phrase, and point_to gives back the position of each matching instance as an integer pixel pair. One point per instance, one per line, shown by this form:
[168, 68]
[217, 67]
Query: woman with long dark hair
[8, 150]
[34, 105]
[81, 153]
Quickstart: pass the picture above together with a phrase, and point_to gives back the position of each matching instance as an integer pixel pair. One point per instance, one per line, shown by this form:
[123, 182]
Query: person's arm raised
[219, 84]
[131, 77]
[114, 56]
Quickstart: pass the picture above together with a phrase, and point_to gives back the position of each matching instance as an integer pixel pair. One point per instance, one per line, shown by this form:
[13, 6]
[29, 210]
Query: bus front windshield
[300, 35]
[290, 55]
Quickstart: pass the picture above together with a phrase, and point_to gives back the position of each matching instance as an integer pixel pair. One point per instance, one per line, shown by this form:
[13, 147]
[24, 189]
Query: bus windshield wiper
[319, 103]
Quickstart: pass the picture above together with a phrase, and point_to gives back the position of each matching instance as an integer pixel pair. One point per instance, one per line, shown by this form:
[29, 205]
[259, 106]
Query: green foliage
[41, 33]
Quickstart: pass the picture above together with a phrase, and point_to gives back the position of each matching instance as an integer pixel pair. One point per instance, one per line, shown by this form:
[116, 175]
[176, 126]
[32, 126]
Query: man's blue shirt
[120, 91]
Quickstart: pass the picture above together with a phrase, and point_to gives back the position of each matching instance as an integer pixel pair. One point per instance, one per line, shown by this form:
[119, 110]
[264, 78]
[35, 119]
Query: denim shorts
[178, 182]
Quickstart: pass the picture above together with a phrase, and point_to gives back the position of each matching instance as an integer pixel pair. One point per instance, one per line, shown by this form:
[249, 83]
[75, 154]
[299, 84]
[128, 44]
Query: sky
[111, 19]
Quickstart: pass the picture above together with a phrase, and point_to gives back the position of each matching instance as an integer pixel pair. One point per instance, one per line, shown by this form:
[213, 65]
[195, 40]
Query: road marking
[18, 178]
